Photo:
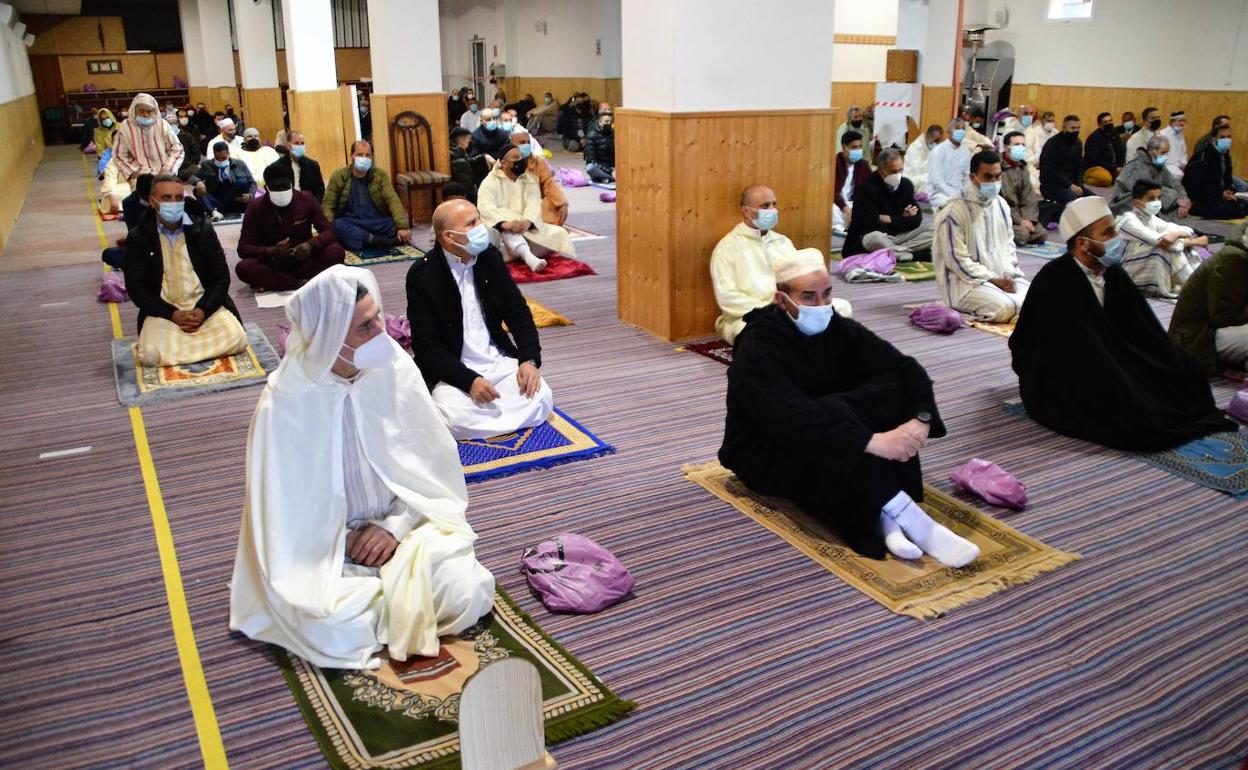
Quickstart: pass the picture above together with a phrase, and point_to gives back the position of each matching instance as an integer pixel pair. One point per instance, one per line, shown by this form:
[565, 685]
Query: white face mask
[893, 180]
[374, 354]
[1153, 208]
[281, 198]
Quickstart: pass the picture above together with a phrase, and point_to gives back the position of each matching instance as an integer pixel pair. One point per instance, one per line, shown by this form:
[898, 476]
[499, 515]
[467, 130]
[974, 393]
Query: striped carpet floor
[742, 652]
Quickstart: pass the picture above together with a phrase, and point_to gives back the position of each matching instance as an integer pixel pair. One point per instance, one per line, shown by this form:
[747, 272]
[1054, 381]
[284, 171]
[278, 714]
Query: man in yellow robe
[742, 265]
[177, 276]
[510, 202]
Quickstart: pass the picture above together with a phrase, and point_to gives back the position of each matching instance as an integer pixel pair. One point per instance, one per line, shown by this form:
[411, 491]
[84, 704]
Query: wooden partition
[19, 155]
[318, 114]
[680, 178]
[433, 108]
[262, 108]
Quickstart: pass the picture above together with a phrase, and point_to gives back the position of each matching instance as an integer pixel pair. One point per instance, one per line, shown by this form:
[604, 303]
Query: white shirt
[1097, 282]
[479, 352]
[470, 120]
[915, 166]
[368, 497]
[1138, 140]
[948, 168]
[1177, 157]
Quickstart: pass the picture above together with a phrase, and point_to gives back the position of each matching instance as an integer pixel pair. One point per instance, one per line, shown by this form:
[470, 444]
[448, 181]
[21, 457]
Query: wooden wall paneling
[20, 153]
[138, 71]
[262, 108]
[347, 107]
[353, 64]
[1086, 102]
[318, 114]
[169, 65]
[936, 107]
[433, 108]
[851, 94]
[672, 212]
[76, 34]
[49, 86]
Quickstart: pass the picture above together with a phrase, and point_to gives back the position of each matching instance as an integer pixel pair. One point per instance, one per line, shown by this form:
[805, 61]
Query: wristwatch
[924, 417]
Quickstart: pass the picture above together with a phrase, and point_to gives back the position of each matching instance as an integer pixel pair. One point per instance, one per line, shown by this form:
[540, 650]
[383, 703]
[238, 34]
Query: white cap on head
[791, 265]
[518, 129]
[1080, 213]
[225, 123]
[252, 131]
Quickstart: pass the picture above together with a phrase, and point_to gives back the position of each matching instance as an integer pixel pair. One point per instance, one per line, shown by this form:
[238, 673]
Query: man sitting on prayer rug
[177, 277]
[362, 204]
[334, 563]
[1210, 320]
[1093, 362]
[917, 153]
[510, 198]
[886, 215]
[743, 263]
[1019, 193]
[947, 165]
[827, 414]
[974, 255]
[1160, 255]
[276, 244]
[484, 379]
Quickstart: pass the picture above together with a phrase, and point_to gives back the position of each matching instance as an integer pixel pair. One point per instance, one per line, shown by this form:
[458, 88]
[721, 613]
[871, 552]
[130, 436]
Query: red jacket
[264, 225]
[862, 172]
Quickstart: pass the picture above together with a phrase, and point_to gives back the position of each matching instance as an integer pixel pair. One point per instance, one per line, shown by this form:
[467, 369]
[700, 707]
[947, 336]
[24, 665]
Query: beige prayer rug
[406, 714]
[579, 234]
[1001, 330]
[922, 589]
[140, 385]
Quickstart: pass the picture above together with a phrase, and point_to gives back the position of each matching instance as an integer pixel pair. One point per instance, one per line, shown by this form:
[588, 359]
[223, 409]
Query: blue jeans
[225, 200]
[353, 233]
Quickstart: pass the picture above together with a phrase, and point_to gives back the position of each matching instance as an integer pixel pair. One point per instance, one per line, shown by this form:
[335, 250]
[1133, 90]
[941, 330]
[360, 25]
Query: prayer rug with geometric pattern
[404, 252]
[557, 441]
[139, 385]
[406, 713]
[716, 350]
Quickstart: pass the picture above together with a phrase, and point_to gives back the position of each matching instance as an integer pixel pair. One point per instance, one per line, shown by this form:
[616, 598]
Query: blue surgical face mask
[1026, 121]
[1160, 160]
[171, 211]
[507, 125]
[1128, 124]
[473, 107]
[362, 165]
[145, 122]
[989, 190]
[1153, 208]
[478, 239]
[1114, 249]
[812, 319]
[490, 125]
[959, 134]
[222, 163]
[766, 219]
[1222, 144]
[298, 150]
[107, 122]
[855, 156]
[525, 150]
[1018, 152]
[1177, 129]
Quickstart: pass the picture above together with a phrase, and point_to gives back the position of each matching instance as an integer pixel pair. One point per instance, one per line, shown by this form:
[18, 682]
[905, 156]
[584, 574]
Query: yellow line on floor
[211, 747]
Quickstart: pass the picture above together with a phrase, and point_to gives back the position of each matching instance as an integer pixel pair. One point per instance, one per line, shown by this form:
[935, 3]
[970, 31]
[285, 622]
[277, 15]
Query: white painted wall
[257, 53]
[460, 21]
[862, 63]
[647, 37]
[406, 48]
[1171, 44]
[16, 81]
[310, 64]
[928, 26]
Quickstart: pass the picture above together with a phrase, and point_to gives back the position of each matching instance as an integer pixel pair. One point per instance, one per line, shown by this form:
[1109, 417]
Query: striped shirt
[151, 150]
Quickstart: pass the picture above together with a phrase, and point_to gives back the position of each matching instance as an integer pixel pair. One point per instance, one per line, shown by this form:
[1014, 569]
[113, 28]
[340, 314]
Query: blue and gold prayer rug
[139, 385]
[557, 441]
[1218, 461]
[404, 252]
[1047, 250]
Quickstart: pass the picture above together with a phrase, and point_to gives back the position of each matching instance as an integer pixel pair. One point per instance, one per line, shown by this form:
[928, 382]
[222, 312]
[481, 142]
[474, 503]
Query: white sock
[535, 264]
[935, 539]
[896, 541]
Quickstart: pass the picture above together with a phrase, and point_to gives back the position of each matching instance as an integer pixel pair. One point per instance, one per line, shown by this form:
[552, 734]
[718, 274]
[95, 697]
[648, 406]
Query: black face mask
[856, 123]
[607, 128]
[251, 145]
[1154, 124]
[520, 166]
[1109, 129]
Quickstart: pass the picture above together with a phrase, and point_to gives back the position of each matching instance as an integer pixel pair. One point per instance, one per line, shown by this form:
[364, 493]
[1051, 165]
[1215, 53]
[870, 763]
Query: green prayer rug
[916, 271]
[406, 714]
[404, 252]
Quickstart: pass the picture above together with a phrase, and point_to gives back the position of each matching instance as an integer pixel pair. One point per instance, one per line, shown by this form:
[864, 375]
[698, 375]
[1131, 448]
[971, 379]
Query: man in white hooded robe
[353, 534]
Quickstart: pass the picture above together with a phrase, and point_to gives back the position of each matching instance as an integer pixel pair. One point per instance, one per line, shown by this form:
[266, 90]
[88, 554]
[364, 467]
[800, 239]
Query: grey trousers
[903, 245]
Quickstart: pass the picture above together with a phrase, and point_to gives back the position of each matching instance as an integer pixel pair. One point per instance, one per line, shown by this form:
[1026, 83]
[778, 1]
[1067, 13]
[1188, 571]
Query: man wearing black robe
[1093, 362]
[831, 419]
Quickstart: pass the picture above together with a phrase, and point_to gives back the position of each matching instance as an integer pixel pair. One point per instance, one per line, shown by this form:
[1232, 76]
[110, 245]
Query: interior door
[478, 67]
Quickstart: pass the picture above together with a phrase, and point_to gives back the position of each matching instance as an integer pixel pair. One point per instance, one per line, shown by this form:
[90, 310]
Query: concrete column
[209, 55]
[406, 51]
[257, 59]
[933, 30]
[699, 123]
[313, 99]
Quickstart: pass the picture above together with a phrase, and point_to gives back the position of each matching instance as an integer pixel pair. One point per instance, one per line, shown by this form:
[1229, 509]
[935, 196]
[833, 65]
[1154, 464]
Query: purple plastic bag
[572, 573]
[113, 288]
[398, 327]
[571, 177]
[607, 196]
[937, 318]
[881, 262]
[992, 483]
[1238, 407]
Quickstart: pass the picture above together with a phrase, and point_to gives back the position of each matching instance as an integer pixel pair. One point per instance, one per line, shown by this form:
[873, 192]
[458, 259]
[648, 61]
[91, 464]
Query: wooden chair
[411, 159]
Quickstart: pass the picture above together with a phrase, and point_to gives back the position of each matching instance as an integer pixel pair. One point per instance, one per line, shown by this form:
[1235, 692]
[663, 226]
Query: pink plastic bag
[571, 177]
[1238, 407]
[607, 196]
[113, 288]
[572, 573]
[992, 483]
[937, 318]
[881, 262]
[398, 327]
